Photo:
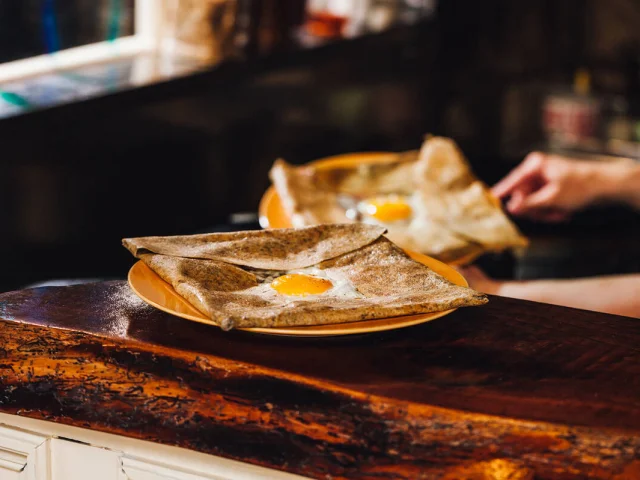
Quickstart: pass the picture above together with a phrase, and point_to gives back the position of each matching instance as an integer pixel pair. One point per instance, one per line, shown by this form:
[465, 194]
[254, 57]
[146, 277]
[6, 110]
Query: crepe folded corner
[227, 276]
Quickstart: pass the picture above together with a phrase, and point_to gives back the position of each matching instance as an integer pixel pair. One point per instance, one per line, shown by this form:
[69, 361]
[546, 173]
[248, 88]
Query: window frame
[147, 20]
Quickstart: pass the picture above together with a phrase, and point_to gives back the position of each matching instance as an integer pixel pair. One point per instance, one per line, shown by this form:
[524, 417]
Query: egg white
[342, 287]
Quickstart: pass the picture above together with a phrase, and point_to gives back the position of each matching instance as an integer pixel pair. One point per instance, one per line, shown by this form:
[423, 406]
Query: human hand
[550, 187]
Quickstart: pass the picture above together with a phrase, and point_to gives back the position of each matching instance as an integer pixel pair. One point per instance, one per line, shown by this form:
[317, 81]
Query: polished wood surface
[528, 389]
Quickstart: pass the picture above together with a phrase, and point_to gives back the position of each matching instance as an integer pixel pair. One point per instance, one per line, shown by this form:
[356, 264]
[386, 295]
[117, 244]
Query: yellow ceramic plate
[272, 214]
[155, 291]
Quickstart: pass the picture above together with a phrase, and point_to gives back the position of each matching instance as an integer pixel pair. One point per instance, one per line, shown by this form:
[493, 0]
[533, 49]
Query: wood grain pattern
[509, 390]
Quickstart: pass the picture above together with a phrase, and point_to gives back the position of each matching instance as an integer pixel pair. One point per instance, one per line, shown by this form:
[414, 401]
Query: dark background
[76, 179]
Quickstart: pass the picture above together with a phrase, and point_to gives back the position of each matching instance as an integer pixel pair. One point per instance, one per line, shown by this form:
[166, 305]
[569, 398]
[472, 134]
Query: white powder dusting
[120, 306]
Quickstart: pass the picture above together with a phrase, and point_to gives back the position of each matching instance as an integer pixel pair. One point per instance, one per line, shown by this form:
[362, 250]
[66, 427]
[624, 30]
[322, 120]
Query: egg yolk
[388, 209]
[299, 284]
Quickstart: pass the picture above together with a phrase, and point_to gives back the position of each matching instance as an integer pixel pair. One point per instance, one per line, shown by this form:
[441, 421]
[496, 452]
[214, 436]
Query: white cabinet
[138, 469]
[24, 455]
[58, 452]
[134, 468]
[75, 461]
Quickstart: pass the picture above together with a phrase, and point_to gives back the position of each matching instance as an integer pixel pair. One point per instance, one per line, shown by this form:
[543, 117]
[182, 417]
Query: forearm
[620, 182]
[619, 294]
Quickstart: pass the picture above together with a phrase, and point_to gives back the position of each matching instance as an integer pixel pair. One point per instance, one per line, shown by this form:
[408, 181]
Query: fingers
[540, 199]
[519, 176]
[538, 205]
[515, 202]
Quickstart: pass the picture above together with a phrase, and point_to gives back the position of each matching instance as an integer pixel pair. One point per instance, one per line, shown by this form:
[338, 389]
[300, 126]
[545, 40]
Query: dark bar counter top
[512, 389]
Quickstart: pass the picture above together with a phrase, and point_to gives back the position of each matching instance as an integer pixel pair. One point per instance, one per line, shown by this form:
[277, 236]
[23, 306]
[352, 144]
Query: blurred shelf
[147, 77]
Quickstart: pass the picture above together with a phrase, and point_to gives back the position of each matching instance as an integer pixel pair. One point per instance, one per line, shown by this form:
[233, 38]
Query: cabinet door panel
[138, 469]
[78, 461]
[24, 455]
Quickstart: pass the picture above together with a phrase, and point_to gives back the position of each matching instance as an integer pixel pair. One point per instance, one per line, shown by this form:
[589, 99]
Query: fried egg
[308, 283]
[301, 285]
[388, 209]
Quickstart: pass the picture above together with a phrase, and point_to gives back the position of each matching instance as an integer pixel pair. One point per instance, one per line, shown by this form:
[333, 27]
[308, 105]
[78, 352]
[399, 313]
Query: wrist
[521, 289]
[504, 288]
[619, 182]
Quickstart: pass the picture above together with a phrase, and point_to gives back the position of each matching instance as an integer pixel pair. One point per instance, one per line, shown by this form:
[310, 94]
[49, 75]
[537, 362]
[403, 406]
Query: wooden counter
[513, 386]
